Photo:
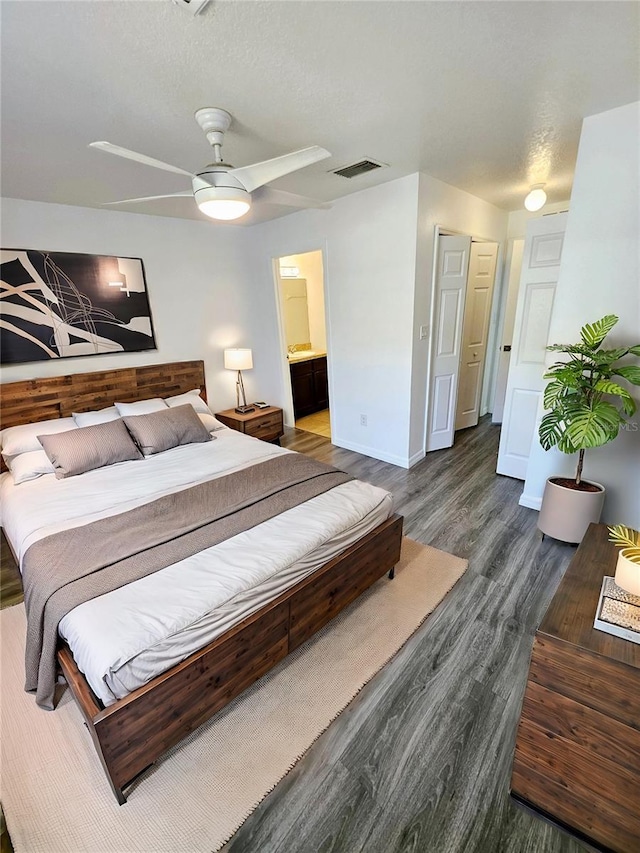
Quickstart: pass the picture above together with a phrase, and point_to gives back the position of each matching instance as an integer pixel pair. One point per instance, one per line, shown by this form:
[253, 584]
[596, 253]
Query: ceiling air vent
[358, 168]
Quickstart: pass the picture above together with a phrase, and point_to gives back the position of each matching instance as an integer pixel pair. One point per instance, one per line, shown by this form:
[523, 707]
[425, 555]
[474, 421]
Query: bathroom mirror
[296, 312]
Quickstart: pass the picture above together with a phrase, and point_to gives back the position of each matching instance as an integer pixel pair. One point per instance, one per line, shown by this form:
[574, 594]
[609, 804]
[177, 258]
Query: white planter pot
[566, 513]
[627, 573]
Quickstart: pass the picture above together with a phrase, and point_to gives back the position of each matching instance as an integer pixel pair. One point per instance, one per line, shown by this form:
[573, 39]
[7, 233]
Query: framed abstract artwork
[64, 304]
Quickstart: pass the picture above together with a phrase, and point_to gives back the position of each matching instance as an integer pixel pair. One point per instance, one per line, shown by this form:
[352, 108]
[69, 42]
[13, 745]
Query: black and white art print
[64, 304]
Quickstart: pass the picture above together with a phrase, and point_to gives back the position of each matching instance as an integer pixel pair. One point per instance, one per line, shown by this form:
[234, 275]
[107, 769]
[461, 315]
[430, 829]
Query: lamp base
[244, 410]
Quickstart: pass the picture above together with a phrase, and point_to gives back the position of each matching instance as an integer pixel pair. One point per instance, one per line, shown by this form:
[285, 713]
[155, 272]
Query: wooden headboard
[59, 396]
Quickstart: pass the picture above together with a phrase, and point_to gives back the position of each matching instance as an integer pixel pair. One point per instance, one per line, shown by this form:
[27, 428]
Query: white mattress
[123, 639]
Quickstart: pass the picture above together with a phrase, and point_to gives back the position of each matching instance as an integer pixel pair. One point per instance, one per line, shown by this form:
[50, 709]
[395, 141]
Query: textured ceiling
[487, 96]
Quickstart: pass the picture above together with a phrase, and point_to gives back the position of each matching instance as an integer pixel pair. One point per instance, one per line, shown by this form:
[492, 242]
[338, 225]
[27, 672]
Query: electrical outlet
[363, 420]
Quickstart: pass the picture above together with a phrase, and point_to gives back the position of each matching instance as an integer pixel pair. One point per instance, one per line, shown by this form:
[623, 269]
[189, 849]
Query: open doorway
[303, 335]
[463, 333]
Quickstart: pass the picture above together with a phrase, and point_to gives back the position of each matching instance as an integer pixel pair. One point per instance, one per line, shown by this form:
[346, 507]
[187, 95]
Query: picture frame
[69, 305]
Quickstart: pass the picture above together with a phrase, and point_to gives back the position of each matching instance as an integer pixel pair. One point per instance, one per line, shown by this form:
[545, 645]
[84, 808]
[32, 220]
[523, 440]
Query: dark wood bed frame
[135, 731]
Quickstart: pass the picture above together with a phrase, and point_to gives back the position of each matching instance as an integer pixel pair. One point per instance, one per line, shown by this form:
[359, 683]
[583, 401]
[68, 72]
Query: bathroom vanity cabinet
[309, 385]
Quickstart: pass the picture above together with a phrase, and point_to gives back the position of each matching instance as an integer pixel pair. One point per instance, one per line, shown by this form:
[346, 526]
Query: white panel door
[477, 312]
[538, 280]
[451, 281]
[506, 340]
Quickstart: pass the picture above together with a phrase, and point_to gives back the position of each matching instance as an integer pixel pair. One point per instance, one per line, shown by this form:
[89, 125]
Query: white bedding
[122, 639]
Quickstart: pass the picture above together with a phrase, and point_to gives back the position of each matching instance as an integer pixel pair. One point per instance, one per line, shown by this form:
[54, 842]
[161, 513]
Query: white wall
[455, 210]
[202, 295]
[368, 241]
[378, 251]
[600, 274]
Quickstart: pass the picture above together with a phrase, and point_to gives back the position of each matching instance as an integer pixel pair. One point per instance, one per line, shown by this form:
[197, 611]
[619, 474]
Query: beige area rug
[56, 798]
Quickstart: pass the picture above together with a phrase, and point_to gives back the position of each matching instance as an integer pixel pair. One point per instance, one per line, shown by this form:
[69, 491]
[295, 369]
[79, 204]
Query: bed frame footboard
[135, 731]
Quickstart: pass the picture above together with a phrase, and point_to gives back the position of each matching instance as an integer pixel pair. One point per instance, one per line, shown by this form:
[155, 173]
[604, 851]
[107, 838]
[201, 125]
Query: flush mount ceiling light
[220, 190]
[536, 198]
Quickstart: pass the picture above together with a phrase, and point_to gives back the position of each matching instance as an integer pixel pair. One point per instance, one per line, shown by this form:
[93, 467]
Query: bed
[292, 572]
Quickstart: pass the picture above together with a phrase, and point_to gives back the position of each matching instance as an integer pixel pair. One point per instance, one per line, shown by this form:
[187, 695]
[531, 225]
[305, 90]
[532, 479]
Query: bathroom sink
[304, 355]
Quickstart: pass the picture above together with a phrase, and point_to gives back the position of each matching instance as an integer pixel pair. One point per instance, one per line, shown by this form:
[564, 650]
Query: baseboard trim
[374, 453]
[530, 501]
[417, 457]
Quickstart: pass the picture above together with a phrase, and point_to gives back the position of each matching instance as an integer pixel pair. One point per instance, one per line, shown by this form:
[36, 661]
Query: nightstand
[265, 424]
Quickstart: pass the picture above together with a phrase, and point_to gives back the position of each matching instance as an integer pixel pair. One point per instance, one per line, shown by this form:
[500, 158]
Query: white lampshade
[238, 359]
[536, 198]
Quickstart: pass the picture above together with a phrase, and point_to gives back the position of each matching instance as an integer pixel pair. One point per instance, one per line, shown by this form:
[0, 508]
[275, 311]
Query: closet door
[475, 329]
[451, 282]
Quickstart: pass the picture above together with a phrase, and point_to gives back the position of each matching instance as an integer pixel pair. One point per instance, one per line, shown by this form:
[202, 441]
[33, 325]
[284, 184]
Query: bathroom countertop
[305, 355]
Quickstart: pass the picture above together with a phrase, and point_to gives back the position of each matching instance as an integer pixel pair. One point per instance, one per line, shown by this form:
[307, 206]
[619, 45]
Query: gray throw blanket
[67, 568]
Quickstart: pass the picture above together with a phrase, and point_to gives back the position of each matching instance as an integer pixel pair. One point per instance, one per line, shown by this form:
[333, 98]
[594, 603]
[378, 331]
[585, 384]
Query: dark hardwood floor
[421, 759]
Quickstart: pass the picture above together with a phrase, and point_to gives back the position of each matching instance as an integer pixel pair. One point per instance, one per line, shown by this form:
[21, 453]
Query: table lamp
[239, 359]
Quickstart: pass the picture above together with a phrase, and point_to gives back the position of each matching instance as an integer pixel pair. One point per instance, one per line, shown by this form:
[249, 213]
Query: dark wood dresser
[577, 757]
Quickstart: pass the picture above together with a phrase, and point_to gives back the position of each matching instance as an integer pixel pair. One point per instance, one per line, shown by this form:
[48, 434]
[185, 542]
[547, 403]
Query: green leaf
[608, 356]
[550, 430]
[593, 426]
[635, 350]
[629, 372]
[624, 537]
[552, 392]
[578, 349]
[566, 445]
[606, 386]
[593, 334]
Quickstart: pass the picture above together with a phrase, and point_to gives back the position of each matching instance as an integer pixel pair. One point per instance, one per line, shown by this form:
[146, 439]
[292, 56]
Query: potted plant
[586, 408]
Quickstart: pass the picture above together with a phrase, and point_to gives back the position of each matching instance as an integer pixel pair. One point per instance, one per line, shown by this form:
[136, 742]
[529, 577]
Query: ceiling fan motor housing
[217, 176]
[215, 182]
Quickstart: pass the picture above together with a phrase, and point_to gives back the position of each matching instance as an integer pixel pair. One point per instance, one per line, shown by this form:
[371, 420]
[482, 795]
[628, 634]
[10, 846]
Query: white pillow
[29, 466]
[24, 438]
[194, 399]
[102, 416]
[191, 397]
[141, 407]
[211, 423]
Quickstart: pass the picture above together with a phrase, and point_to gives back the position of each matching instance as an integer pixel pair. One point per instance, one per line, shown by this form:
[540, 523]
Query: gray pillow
[166, 429]
[86, 448]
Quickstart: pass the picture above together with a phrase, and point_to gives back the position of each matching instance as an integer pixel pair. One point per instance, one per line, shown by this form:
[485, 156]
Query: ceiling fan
[219, 190]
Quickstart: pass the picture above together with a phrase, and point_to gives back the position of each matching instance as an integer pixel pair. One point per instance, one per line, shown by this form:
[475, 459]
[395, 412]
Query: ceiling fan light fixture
[224, 208]
[223, 202]
[536, 199]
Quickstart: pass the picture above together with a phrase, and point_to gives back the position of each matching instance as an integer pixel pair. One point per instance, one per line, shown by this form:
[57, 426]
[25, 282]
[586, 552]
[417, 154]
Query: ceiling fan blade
[139, 158]
[259, 174]
[185, 194]
[272, 196]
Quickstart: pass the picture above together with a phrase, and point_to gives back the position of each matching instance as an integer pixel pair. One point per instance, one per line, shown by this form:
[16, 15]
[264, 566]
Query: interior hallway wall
[368, 241]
